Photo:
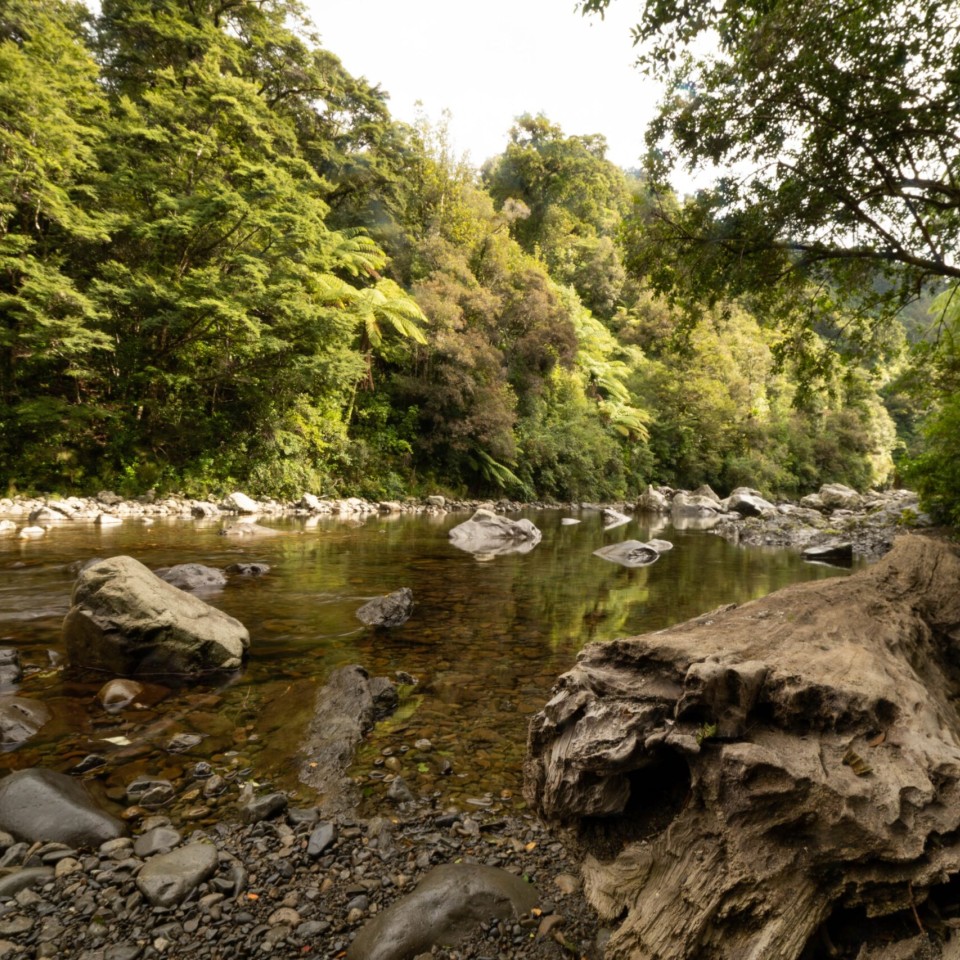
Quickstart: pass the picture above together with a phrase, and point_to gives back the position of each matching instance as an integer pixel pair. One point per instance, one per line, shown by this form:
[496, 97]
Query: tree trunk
[771, 781]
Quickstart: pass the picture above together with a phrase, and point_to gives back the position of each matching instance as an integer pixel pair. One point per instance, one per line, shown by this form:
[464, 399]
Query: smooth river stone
[166, 879]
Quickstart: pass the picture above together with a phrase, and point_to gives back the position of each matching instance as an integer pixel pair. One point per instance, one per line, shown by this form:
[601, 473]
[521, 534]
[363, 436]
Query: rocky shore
[289, 886]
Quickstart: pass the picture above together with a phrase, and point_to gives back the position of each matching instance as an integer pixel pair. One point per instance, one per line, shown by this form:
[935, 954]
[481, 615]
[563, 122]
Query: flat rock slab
[840, 554]
[449, 904]
[38, 804]
[126, 620]
[166, 879]
[629, 553]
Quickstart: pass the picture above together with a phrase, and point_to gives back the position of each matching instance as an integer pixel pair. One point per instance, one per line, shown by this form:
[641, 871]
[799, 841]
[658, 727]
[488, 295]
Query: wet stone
[321, 838]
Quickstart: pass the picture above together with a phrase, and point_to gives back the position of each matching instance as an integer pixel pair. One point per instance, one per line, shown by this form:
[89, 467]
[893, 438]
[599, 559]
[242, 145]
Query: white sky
[489, 62]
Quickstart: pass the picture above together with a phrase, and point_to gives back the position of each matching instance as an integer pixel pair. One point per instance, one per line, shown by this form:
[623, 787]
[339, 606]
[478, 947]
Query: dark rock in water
[345, 711]
[449, 904]
[492, 535]
[193, 576]
[248, 569]
[166, 879]
[90, 762]
[11, 671]
[322, 836]
[149, 791]
[391, 610]
[629, 553]
[399, 792]
[38, 804]
[126, 620]
[840, 554]
[383, 692]
[20, 718]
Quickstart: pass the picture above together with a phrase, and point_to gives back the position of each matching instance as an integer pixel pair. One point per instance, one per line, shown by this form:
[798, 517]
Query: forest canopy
[223, 262]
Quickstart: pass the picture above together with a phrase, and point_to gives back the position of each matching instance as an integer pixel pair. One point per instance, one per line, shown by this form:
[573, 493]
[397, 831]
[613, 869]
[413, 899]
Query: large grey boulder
[449, 904]
[613, 518]
[836, 496]
[750, 505]
[653, 501]
[392, 610]
[688, 505]
[38, 804]
[488, 533]
[242, 503]
[21, 718]
[167, 878]
[127, 620]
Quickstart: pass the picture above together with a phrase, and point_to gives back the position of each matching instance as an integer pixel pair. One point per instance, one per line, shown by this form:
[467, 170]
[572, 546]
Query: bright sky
[489, 62]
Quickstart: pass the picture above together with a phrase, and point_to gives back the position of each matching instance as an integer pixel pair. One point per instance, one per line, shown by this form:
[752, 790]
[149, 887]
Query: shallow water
[486, 641]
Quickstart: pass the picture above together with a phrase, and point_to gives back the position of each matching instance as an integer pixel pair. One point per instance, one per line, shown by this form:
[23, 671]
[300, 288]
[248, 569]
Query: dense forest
[223, 263]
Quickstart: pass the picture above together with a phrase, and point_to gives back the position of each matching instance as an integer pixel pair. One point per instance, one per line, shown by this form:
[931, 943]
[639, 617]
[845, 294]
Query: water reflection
[487, 638]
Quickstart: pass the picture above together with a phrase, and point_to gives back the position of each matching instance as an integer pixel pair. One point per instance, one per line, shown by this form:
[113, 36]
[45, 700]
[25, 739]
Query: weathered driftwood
[775, 780]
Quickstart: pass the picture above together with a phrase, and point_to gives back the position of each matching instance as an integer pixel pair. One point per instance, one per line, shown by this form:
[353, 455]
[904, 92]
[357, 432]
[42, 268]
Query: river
[486, 641]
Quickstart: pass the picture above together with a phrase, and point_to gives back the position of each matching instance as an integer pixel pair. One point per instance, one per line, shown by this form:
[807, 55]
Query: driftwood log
[772, 781]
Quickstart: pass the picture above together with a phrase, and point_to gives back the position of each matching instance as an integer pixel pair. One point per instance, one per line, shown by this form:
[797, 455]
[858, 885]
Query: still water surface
[486, 641]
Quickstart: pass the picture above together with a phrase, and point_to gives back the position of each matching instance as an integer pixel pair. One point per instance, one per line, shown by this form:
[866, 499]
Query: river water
[487, 639]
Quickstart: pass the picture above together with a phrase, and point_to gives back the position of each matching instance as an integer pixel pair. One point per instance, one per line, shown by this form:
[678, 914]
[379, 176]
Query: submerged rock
[629, 553]
[193, 576]
[346, 709]
[839, 553]
[127, 620]
[613, 518]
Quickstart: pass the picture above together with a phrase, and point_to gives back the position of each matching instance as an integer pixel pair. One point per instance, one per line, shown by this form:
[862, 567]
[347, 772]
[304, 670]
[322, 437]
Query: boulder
[193, 577]
[241, 503]
[613, 518]
[31, 533]
[204, 510]
[629, 553]
[311, 502]
[688, 505]
[835, 496]
[653, 501]
[346, 709]
[168, 878]
[108, 520]
[749, 783]
[42, 805]
[706, 491]
[488, 533]
[391, 610]
[449, 904]
[21, 718]
[128, 621]
[7, 528]
[750, 505]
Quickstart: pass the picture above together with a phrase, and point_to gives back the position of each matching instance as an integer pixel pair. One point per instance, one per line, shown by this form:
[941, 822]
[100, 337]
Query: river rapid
[487, 639]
